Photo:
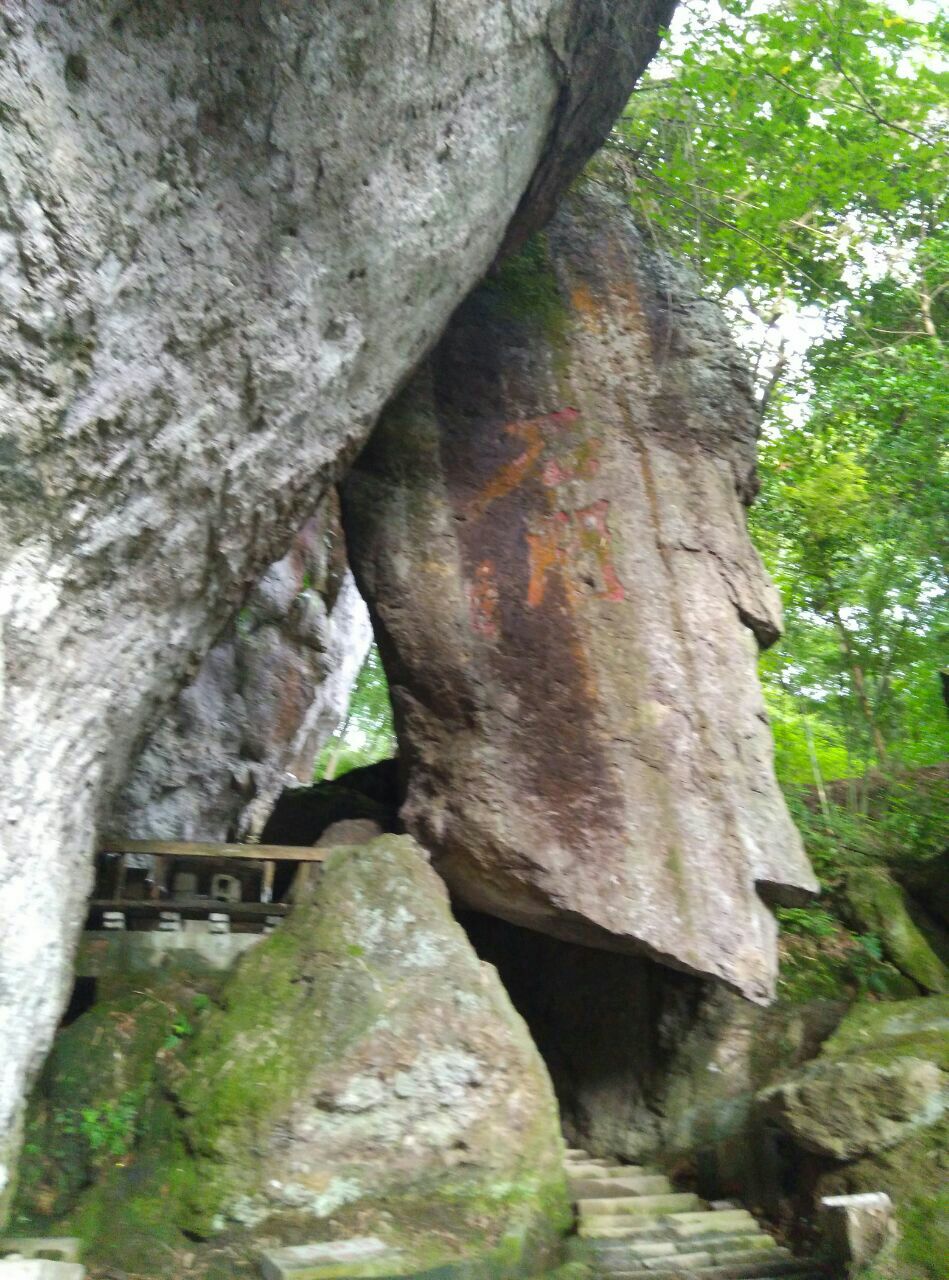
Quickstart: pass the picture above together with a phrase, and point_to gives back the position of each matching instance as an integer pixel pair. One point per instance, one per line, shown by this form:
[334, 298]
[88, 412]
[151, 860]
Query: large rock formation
[265, 700]
[361, 1072]
[548, 526]
[227, 233]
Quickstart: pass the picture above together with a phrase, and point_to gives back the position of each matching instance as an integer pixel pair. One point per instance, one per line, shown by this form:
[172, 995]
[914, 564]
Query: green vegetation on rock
[876, 1099]
[358, 1072]
[880, 908]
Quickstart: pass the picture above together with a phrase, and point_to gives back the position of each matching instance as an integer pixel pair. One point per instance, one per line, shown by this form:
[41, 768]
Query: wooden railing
[264, 856]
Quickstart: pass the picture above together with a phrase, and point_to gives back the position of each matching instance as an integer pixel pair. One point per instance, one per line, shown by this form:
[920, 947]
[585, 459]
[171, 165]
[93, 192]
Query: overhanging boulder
[549, 528]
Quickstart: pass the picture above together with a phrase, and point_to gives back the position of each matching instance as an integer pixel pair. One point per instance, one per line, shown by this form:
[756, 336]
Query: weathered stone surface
[548, 527]
[854, 1229]
[384, 1061]
[876, 1081]
[849, 1108]
[265, 700]
[227, 232]
[360, 1073]
[350, 831]
[878, 906]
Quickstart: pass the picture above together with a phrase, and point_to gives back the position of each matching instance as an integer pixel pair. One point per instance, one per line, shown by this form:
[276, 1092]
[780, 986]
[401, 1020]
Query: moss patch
[95, 1098]
[879, 907]
[524, 288]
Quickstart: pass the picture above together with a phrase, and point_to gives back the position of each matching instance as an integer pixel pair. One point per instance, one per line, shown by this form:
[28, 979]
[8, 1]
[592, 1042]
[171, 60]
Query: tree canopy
[796, 151]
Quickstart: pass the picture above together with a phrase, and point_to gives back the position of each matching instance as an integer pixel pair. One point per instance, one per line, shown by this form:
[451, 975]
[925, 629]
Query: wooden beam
[199, 849]
[189, 906]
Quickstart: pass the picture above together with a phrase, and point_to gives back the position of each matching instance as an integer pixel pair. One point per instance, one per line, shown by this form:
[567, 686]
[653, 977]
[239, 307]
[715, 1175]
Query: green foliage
[825, 953]
[110, 1129]
[796, 151]
[770, 129]
[367, 733]
[810, 921]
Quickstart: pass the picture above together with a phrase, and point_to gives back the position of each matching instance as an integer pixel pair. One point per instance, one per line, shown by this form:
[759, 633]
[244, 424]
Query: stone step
[616, 1250]
[686, 1261]
[643, 1249]
[587, 1169]
[712, 1221]
[738, 1257]
[800, 1269]
[627, 1230]
[680, 1226]
[672, 1202]
[717, 1245]
[630, 1229]
[643, 1184]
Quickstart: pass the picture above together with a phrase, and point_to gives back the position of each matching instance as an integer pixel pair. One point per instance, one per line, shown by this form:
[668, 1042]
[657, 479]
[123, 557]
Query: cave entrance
[610, 1027]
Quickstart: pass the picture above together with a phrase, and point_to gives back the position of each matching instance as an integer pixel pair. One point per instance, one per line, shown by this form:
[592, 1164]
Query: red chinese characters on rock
[572, 542]
[485, 601]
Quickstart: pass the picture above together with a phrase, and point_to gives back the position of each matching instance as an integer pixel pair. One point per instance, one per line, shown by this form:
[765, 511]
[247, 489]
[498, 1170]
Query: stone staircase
[636, 1226]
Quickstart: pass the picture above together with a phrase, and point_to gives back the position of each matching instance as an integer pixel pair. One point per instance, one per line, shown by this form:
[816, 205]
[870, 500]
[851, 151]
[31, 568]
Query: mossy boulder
[880, 1077]
[875, 1106]
[894, 1029]
[878, 906]
[361, 1072]
[363, 1055]
[97, 1098]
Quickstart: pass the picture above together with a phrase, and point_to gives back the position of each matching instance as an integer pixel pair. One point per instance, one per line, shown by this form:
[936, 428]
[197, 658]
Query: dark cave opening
[301, 815]
[610, 1027]
[649, 1065]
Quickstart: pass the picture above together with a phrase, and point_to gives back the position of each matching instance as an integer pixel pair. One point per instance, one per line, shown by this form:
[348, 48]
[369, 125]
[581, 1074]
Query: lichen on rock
[878, 906]
[363, 1054]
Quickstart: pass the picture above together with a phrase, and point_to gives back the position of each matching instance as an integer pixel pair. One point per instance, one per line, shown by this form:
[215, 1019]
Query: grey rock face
[391, 1071]
[548, 526]
[878, 1080]
[265, 700]
[227, 233]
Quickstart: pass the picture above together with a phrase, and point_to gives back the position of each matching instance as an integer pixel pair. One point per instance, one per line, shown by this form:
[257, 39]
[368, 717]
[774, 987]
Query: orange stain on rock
[595, 539]
[513, 474]
[485, 601]
[561, 540]
[583, 301]
[544, 552]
